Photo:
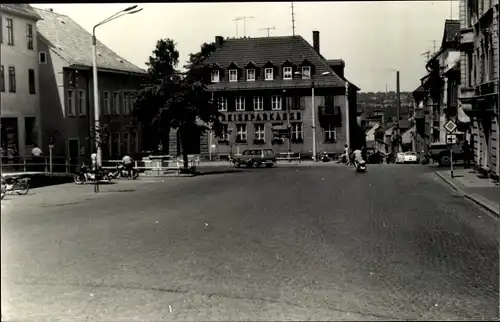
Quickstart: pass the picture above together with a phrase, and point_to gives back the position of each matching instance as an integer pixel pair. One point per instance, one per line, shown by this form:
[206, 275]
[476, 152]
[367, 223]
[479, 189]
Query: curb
[478, 200]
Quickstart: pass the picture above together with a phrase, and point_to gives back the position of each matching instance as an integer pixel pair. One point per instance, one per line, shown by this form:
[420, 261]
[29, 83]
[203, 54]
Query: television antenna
[293, 20]
[244, 24]
[268, 28]
[427, 54]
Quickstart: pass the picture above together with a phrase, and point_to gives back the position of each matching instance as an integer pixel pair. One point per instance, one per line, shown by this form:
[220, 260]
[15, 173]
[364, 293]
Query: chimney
[219, 40]
[316, 41]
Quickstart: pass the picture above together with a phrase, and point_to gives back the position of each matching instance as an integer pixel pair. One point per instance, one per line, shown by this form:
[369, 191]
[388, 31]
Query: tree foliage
[174, 99]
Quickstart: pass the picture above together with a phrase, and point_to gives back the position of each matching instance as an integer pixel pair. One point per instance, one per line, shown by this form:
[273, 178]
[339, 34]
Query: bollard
[24, 164]
[67, 165]
[46, 168]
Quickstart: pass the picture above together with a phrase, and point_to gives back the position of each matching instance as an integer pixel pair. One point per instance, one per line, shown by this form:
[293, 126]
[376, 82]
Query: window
[106, 103]
[12, 79]
[126, 143]
[70, 106]
[240, 103]
[42, 57]
[30, 137]
[134, 142]
[306, 72]
[31, 81]
[116, 103]
[130, 102]
[241, 133]
[491, 61]
[288, 103]
[233, 75]
[470, 64]
[296, 132]
[276, 103]
[287, 73]
[259, 132]
[29, 36]
[2, 81]
[222, 104]
[250, 74]
[10, 32]
[125, 103]
[330, 134]
[82, 108]
[225, 133]
[258, 103]
[268, 72]
[215, 76]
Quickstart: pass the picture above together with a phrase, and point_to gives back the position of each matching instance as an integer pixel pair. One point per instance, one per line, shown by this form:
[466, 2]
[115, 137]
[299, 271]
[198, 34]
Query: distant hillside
[372, 102]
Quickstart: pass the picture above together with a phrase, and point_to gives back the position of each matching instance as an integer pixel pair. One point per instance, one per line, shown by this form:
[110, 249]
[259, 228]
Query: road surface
[259, 244]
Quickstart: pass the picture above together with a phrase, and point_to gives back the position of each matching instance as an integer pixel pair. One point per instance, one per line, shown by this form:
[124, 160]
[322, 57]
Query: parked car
[400, 158]
[440, 153]
[410, 157]
[254, 158]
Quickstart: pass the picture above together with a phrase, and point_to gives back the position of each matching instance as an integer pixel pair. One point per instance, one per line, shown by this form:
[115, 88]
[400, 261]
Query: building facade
[20, 90]
[436, 100]
[269, 86]
[65, 56]
[479, 88]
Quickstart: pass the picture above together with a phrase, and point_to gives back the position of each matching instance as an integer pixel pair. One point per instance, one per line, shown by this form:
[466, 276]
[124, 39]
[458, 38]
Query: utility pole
[398, 109]
[268, 28]
[244, 24]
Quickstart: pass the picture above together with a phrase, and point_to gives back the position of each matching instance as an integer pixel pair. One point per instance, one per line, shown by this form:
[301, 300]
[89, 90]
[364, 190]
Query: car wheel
[255, 164]
[236, 164]
[444, 160]
[269, 165]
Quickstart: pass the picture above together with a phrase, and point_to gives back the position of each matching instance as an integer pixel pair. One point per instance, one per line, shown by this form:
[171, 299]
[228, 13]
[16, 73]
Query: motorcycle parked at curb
[18, 185]
[87, 175]
[122, 172]
[360, 166]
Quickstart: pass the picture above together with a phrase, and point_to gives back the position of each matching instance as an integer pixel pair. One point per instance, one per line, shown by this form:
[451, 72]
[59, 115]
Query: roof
[21, 9]
[277, 50]
[73, 43]
[451, 29]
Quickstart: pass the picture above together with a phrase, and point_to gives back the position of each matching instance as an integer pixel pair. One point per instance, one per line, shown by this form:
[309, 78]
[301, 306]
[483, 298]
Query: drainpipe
[498, 90]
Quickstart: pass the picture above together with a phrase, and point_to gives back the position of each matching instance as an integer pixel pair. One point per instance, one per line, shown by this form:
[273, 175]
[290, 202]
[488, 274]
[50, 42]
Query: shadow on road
[210, 172]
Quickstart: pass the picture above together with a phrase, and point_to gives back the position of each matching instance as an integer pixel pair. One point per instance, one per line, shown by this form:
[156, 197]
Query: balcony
[474, 104]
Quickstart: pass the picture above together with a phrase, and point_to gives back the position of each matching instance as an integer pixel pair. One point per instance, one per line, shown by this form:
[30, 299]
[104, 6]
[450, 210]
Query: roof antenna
[236, 20]
[293, 21]
[268, 28]
[427, 53]
[244, 24]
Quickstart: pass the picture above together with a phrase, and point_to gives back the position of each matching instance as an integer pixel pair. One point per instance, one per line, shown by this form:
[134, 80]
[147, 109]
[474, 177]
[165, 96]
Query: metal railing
[58, 165]
[288, 156]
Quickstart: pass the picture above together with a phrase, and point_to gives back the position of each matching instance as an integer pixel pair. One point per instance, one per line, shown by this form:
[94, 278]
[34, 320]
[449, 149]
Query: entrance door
[74, 154]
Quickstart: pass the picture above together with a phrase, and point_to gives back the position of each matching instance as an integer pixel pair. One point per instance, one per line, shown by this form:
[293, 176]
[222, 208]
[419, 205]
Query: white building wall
[20, 104]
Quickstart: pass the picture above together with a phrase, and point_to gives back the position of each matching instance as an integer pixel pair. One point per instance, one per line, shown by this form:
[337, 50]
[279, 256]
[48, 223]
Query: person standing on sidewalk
[36, 152]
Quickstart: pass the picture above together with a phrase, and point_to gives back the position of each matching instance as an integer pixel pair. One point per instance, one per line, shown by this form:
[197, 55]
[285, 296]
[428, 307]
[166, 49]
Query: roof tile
[74, 44]
[277, 50]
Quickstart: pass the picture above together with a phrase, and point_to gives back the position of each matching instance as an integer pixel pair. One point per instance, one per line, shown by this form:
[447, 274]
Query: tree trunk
[184, 143]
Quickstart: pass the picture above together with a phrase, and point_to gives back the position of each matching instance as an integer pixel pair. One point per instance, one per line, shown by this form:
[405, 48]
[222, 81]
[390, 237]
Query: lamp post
[127, 11]
[313, 109]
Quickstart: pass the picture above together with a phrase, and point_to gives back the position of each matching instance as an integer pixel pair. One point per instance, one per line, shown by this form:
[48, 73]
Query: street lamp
[313, 109]
[127, 11]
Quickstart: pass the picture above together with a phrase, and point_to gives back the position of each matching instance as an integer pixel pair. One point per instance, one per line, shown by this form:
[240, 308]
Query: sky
[373, 38]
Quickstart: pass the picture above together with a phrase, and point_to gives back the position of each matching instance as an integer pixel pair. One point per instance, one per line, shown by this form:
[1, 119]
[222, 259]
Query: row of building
[271, 85]
[47, 87]
[462, 85]
[264, 86]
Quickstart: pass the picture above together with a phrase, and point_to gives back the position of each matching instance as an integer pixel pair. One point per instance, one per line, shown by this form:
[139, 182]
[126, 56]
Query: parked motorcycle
[87, 175]
[122, 172]
[360, 166]
[325, 157]
[18, 185]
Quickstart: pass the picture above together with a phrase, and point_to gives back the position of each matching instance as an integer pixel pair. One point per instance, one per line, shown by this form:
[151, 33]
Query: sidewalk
[482, 191]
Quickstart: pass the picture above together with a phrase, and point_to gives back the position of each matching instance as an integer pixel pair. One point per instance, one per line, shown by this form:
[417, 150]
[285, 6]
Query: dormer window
[268, 72]
[233, 75]
[250, 75]
[306, 72]
[215, 76]
[287, 73]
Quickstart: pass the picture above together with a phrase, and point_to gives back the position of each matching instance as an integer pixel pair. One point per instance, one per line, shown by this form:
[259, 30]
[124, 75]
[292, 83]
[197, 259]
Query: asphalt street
[290, 243]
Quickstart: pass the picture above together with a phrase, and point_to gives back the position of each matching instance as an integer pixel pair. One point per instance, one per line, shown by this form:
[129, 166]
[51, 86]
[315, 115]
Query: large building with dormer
[265, 86]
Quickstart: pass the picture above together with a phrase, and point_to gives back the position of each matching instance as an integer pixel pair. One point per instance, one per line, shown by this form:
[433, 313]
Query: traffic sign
[451, 138]
[51, 146]
[450, 126]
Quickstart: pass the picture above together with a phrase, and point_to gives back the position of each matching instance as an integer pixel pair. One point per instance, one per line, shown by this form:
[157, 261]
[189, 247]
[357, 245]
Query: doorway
[74, 154]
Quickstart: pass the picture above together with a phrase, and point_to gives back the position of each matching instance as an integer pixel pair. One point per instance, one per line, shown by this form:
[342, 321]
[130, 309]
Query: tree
[155, 92]
[174, 100]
